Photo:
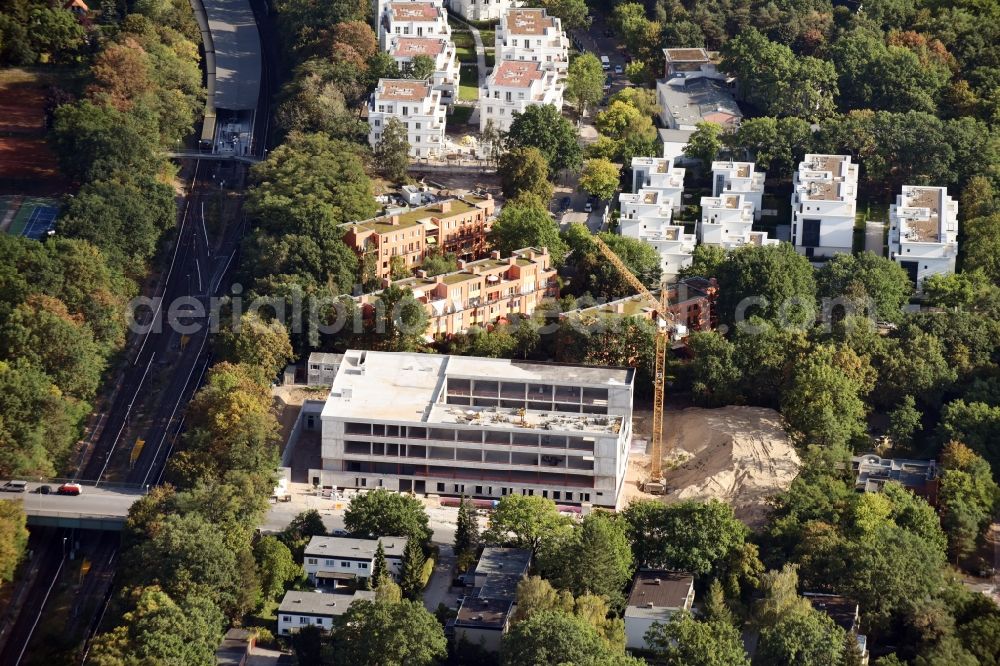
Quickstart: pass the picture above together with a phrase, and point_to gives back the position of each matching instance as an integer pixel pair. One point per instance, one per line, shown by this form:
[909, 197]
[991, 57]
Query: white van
[605, 63]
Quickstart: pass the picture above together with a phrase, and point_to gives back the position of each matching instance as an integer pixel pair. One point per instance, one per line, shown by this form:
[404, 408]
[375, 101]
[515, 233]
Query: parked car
[618, 69]
[14, 487]
[70, 489]
[588, 207]
[564, 204]
[43, 490]
[341, 533]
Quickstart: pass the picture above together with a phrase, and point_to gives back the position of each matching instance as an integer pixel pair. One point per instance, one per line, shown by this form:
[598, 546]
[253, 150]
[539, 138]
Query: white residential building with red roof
[413, 19]
[512, 87]
[404, 50]
[418, 106]
[531, 35]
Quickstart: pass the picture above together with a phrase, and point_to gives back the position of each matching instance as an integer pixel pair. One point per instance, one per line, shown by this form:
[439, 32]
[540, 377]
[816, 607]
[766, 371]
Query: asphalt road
[98, 502]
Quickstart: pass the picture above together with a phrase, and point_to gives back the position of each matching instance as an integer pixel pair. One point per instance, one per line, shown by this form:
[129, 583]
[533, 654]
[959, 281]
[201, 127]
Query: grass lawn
[491, 58]
[465, 46]
[489, 37]
[468, 83]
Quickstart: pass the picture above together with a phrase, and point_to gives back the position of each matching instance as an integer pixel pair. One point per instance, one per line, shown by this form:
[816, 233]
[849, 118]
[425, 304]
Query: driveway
[438, 589]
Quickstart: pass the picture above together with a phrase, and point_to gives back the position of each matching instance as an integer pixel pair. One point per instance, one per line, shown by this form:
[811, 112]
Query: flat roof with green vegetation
[413, 217]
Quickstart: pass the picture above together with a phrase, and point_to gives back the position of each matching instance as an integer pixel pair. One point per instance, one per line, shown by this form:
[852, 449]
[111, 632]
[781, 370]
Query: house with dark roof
[485, 612]
[845, 612]
[655, 597]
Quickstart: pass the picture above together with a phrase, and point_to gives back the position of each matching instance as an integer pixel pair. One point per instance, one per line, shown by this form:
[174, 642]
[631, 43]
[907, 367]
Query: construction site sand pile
[740, 455]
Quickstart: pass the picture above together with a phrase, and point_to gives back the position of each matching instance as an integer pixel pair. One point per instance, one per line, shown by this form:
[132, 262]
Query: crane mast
[662, 318]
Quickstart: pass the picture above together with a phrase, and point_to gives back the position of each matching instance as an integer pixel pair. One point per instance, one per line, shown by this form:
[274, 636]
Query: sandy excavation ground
[740, 455]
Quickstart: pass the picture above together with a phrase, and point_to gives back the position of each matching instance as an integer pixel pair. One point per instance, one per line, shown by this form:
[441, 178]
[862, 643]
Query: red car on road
[70, 489]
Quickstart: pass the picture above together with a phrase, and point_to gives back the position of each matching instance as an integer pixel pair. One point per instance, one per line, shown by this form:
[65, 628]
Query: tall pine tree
[413, 564]
[467, 530]
[379, 568]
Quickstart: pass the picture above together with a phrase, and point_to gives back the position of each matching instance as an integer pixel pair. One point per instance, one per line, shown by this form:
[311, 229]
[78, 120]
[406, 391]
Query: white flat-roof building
[730, 177]
[418, 106]
[923, 232]
[531, 35]
[301, 609]
[659, 173]
[655, 597]
[442, 51]
[481, 10]
[512, 87]
[331, 559]
[692, 63]
[647, 215]
[412, 19]
[480, 427]
[824, 203]
[727, 221]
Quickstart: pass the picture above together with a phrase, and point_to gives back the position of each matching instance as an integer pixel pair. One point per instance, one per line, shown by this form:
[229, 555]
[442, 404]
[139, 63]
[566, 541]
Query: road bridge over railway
[100, 507]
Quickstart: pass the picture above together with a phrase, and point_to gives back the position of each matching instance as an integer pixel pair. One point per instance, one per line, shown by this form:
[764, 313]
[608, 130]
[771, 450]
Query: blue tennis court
[41, 221]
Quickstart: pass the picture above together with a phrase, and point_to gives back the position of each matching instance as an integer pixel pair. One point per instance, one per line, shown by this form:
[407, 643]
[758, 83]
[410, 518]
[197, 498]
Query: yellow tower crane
[655, 484]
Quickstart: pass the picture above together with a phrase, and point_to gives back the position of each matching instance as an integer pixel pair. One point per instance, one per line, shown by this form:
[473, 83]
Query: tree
[801, 636]
[706, 260]
[467, 528]
[13, 538]
[775, 144]
[422, 67]
[550, 637]
[399, 321]
[525, 222]
[715, 377]
[860, 279]
[685, 641]
[159, 629]
[410, 580]
[187, 555]
[705, 144]
[584, 81]
[774, 282]
[686, 536]
[436, 263]
[594, 558]
[629, 127]
[524, 521]
[543, 127]
[977, 425]
[382, 513]
[380, 569]
[594, 275]
[392, 151]
[276, 568]
[968, 497]
[524, 170]
[904, 422]
[301, 529]
[824, 404]
[983, 237]
[386, 633]
[257, 343]
[126, 218]
[308, 644]
[599, 178]
[98, 142]
[575, 14]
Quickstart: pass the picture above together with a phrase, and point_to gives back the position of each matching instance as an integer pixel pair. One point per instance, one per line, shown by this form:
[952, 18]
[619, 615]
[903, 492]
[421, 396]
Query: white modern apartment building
[512, 87]
[730, 177]
[480, 427]
[331, 559]
[923, 232]
[418, 106]
[824, 203]
[412, 19]
[727, 221]
[404, 50]
[482, 10]
[659, 173]
[647, 215]
[531, 35]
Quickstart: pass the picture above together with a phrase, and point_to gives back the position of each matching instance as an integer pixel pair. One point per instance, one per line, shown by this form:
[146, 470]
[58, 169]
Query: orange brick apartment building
[457, 226]
[481, 292]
